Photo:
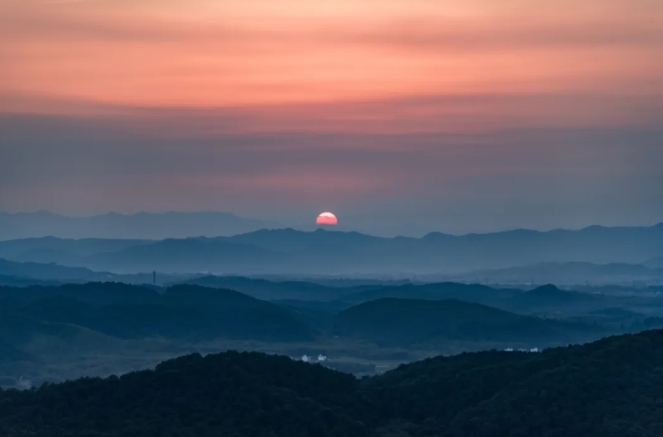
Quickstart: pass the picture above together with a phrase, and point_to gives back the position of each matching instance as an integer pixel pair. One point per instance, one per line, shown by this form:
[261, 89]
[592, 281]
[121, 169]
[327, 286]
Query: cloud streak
[69, 165]
[229, 54]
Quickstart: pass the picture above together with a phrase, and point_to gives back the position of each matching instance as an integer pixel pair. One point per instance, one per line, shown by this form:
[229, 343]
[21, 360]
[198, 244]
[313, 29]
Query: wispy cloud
[226, 53]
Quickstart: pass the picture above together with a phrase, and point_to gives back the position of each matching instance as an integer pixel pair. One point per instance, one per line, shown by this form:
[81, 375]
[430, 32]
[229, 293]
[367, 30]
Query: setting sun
[326, 218]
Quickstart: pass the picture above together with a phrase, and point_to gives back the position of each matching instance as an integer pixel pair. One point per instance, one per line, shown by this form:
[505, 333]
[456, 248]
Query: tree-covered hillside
[416, 321]
[228, 394]
[127, 311]
[608, 388]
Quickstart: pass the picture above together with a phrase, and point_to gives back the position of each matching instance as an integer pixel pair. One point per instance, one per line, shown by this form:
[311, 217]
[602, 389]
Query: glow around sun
[326, 218]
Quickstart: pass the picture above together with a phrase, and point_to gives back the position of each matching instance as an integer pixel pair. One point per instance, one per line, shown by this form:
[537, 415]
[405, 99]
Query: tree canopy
[611, 387]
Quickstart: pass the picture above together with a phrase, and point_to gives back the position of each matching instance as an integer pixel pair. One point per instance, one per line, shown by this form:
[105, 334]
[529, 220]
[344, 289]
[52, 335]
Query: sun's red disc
[326, 218]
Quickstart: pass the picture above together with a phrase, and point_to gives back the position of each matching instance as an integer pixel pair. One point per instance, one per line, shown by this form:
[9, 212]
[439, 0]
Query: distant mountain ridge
[288, 251]
[32, 273]
[569, 273]
[53, 272]
[142, 225]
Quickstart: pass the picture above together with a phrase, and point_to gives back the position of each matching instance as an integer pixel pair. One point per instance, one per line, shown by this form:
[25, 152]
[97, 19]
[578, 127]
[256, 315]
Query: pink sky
[197, 53]
[344, 104]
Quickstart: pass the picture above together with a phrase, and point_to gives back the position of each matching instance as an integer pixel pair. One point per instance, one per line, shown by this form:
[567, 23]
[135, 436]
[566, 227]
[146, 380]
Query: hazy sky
[398, 116]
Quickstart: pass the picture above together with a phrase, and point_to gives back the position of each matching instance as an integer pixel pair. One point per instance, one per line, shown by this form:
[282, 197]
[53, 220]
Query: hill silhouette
[33, 273]
[549, 296]
[287, 251]
[126, 311]
[569, 273]
[21, 281]
[271, 290]
[93, 293]
[225, 394]
[50, 271]
[194, 313]
[416, 321]
[239, 316]
[560, 392]
[434, 291]
[607, 388]
[185, 256]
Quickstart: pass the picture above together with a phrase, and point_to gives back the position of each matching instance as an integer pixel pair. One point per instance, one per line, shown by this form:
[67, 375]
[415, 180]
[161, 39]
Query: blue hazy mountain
[288, 251]
[568, 273]
[655, 263]
[32, 273]
[55, 272]
[62, 251]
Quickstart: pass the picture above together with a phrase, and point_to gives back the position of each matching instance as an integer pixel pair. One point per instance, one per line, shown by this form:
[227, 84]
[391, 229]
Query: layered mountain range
[323, 252]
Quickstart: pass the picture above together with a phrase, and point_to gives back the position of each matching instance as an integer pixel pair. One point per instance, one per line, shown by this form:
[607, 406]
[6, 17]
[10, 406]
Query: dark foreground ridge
[611, 387]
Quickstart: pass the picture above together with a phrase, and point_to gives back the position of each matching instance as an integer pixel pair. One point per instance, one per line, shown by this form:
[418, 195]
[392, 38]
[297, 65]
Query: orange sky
[196, 53]
[432, 109]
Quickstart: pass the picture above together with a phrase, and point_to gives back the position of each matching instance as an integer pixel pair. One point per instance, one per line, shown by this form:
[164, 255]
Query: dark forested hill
[237, 315]
[434, 291]
[229, 394]
[417, 321]
[93, 293]
[194, 313]
[272, 290]
[608, 388]
[549, 296]
[127, 311]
